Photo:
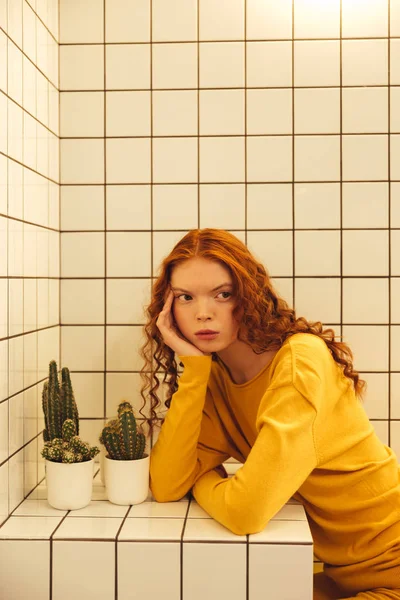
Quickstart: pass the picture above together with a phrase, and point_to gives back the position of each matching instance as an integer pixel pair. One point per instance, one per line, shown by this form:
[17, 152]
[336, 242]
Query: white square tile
[127, 66]
[33, 528]
[36, 580]
[127, 21]
[395, 62]
[88, 527]
[317, 252]
[128, 207]
[82, 160]
[151, 529]
[3, 61]
[222, 112]
[395, 156]
[128, 113]
[274, 561]
[395, 348]
[82, 207]
[394, 205]
[222, 206]
[364, 62]
[318, 299]
[382, 431]
[395, 109]
[29, 90]
[82, 67]
[269, 158]
[174, 20]
[127, 386]
[135, 248]
[395, 300]
[360, 19]
[135, 558]
[175, 160]
[269, 206]
[15, 306]
[394, 18]
[82, 255]
[75, 308]
[222, 159]
[174, 112]
[221, 64]
[316, 19]
[175, 206]
[4, 124]
[213, 24]
[317, 63]
[317, 205]
[15, 131]
[365, 252]
[82, 348]
[174, 66]
[89, 394]
[367, 356]
[3, 184]
[39, 508]
[123, 343]
[365, 110]
[376, 399]
[269, 112]
[395, 395]
[128, 160]
[14, 72]
[100, 509]
[317, 158]
[317, 110]
[81, 22]
[269, 64]
[82, 114]
[268, 20]
[30, 141]
[75, 569]
[274, 249]
[126, 300]
[365, 300]
[224, 563]
[163, 243]
[365, 157]
[365, 205]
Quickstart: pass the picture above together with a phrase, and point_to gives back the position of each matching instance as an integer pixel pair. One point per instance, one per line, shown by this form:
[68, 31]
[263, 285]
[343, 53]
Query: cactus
[69, 448]
[58, 403]
[120, 436]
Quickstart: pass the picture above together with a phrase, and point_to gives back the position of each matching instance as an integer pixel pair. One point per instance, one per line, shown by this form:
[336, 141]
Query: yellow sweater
[301, 432]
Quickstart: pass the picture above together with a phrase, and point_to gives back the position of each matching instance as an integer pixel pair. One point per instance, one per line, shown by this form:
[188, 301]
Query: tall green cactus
[58, 403]
[120, 436]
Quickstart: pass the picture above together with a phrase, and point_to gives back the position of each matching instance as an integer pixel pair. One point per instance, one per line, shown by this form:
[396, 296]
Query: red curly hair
[266, 322]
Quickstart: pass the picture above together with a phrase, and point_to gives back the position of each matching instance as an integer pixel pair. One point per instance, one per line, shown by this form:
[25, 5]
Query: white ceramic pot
[101, 462]
[69, 485]
[127, 481]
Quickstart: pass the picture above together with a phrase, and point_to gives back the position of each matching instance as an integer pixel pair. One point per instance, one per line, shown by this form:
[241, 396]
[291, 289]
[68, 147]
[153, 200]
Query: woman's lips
[206, 336]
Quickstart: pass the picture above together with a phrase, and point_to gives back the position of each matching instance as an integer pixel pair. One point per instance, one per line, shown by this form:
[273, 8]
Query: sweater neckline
[253, 379]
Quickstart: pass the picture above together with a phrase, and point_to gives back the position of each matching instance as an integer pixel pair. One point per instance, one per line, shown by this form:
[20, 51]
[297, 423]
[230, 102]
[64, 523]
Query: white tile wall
[29, 237]
[276, 121]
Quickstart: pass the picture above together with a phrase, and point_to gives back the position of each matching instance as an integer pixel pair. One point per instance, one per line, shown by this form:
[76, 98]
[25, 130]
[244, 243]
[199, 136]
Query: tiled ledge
[172, 550]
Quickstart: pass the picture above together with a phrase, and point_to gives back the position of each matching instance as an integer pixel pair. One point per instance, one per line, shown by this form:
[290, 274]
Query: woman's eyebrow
[213, 290]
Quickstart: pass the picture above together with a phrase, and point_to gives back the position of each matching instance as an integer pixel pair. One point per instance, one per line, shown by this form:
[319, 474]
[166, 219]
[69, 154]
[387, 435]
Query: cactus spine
[120, 436]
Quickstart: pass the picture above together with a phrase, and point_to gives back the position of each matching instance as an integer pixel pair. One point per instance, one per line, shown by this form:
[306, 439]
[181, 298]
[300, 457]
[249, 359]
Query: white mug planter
[69, 485]
[127, 481]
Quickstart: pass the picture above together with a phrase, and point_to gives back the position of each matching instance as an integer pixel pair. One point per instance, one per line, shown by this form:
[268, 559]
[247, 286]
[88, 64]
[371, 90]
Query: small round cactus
[70, 448]
[120, 436]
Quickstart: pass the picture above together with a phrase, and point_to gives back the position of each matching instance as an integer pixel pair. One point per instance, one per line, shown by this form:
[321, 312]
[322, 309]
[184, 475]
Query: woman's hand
[171, 334]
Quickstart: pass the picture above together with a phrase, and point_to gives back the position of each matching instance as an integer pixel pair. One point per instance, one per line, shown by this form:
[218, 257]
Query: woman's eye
[188, 296]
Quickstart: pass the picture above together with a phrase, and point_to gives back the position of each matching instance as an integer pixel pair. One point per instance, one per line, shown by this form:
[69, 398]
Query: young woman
[280, 395]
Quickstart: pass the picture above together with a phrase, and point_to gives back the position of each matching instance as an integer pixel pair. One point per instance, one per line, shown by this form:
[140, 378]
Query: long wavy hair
[266, 322]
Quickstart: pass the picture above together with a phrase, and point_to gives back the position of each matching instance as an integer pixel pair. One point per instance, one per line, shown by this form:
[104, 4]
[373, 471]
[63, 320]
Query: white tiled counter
[152, 550]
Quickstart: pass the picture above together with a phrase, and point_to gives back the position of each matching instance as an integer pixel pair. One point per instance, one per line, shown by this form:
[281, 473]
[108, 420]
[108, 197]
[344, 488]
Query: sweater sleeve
[279, 462]
[189, 442]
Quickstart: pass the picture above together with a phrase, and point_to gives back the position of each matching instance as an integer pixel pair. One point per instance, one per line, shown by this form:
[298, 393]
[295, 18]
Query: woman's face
[198, 305]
